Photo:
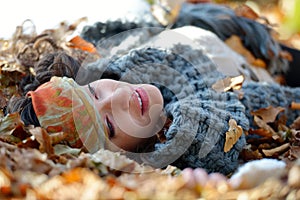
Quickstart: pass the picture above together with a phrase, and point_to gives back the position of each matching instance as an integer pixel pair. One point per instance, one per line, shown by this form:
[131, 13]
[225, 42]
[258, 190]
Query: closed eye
[110, 127]
[92, 90]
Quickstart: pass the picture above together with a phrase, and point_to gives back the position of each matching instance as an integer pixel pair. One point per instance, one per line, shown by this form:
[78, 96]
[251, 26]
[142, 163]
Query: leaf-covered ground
[34, 165]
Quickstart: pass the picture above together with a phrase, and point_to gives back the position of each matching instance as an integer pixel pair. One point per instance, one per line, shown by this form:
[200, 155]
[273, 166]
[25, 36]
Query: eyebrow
[92, 90]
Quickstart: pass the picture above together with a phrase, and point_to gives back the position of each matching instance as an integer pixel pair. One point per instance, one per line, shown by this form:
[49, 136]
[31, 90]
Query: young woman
[157, 105]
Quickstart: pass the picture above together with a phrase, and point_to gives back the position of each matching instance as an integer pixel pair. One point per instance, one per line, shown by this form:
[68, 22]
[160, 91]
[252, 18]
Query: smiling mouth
[140, 101]
[143, 99]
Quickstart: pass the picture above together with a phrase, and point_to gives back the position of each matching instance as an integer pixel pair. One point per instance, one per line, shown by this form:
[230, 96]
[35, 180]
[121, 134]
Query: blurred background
[283, 14]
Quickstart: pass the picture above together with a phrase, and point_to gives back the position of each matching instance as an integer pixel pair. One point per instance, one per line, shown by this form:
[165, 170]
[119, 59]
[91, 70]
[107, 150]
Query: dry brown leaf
[245, 11]
[296, 124]
[293, 153]
[10, 123]
[269, 114]
[79, 43]
[295, 106]
[296, 136]
[3, 101]
[249, 154]
[119, 162]
[57, 137]
[276, 150]
[261, 132]
[232, 135]
[229, 83]
[43, 139]
[236, 44]
[262, 124]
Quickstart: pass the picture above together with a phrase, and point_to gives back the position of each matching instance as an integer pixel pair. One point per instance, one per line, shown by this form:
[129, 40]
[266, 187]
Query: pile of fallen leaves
[34, 165]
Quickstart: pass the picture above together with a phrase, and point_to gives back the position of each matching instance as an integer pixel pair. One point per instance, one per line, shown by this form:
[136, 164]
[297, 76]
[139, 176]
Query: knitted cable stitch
[262, 95]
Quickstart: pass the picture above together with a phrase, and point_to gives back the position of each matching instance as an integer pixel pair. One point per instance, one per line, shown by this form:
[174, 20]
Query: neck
[161, 134]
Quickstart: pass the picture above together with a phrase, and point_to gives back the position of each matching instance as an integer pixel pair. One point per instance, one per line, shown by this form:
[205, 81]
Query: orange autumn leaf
[261, 132]
[229, 83]
[295, 106]
[79, 43]
[43, 139]
[262, 124]
[268, 114]
[236, 44]
[271, 152]
[232, 135]
[245, 11]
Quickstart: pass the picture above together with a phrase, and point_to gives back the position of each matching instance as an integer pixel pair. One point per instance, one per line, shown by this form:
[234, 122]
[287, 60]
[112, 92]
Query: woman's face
[130, 113]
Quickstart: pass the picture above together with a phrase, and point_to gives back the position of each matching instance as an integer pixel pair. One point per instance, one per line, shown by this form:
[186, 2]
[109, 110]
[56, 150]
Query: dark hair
[53, 64]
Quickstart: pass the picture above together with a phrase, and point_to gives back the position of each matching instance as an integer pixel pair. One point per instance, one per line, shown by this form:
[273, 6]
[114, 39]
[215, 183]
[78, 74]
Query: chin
[155, 95]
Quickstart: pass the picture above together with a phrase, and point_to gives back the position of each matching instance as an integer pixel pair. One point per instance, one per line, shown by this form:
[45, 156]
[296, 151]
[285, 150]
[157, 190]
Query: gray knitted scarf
[199, 114]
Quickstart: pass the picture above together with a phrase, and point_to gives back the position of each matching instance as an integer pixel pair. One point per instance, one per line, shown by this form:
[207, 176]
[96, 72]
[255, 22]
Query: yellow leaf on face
[232, 135]
[229, 83]
[268, 114]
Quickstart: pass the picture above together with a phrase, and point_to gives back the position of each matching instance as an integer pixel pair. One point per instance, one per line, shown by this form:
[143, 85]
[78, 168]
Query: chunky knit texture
[262, 95]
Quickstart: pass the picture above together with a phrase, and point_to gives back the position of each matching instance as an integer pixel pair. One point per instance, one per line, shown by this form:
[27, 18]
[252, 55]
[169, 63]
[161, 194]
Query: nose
[113, 98]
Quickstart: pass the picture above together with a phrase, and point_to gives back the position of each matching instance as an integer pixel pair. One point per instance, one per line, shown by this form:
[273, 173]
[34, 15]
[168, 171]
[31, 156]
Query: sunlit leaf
[9, 123]
[229, 83]
[232, 135]
[64, 149]
[80, 43]
[261, 132]
[268, 114]
[43, 139]
[276, 150]
[262, 124]
[295, 106]
[245, 11]
[235, 43]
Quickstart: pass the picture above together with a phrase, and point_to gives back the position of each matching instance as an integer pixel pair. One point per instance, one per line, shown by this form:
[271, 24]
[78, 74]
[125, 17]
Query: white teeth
[139, 98]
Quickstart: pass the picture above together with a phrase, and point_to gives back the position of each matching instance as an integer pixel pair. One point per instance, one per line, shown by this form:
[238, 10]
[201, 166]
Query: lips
[143, 99]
